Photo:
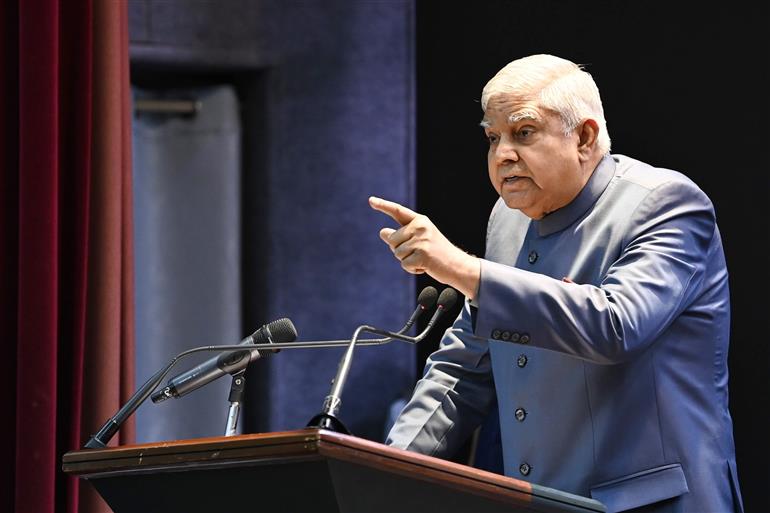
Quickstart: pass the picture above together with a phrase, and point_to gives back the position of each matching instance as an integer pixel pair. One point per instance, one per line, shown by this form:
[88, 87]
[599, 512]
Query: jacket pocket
[642, 488]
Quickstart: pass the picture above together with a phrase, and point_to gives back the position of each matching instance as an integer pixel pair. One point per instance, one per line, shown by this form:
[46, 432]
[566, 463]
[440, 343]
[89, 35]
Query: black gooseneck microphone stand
[426, 300]
[108, 430]
[327, 418]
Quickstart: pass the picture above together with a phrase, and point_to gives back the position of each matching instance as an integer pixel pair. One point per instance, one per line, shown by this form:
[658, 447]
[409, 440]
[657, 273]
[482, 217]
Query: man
[601, 308]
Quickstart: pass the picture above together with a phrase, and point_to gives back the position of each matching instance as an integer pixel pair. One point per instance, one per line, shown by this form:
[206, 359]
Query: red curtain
[66, 276]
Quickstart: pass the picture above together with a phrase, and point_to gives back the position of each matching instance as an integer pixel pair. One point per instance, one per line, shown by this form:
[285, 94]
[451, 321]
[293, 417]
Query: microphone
[281, 330]
[445, 301]
[327, 419]
[426, 300]
[108, 430]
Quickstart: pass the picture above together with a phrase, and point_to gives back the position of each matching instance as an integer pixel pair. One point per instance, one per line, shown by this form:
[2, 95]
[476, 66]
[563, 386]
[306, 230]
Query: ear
[588, 132]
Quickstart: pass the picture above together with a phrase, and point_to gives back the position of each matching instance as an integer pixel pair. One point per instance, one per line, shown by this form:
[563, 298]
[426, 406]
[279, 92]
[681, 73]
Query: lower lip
[514, 184]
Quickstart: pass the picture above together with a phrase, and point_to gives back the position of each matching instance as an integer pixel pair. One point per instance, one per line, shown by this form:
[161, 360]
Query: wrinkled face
[533, 166]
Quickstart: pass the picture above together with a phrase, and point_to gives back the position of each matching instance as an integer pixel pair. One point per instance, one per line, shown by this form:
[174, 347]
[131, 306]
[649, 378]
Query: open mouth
[511, 179]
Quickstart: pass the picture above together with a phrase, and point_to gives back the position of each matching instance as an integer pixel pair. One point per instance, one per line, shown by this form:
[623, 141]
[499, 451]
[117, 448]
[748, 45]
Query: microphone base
[328, 422]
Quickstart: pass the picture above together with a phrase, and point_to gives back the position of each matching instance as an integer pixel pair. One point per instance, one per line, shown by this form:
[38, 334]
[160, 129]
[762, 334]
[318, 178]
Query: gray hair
[559, 85]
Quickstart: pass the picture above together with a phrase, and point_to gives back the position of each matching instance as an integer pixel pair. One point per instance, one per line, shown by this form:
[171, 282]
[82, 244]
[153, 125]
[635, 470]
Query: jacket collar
[568, 214]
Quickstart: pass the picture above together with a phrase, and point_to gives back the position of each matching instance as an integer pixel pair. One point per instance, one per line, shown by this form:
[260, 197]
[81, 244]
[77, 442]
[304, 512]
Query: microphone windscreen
[282, 330]
[447, 298]
[427, 297]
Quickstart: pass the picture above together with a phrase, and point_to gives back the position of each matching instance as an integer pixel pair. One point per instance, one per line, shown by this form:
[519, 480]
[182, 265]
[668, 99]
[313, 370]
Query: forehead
[509, 109]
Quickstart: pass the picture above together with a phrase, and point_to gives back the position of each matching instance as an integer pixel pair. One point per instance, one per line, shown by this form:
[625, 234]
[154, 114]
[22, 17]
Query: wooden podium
[308, 470]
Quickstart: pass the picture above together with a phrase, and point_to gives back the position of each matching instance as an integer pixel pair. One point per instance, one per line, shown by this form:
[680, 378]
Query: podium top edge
[194, 444]
[310, 443]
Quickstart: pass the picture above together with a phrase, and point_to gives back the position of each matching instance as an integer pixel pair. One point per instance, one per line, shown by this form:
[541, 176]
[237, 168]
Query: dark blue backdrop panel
[341, 128]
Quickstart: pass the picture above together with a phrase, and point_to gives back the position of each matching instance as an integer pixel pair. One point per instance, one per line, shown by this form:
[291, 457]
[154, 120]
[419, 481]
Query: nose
[505, 152]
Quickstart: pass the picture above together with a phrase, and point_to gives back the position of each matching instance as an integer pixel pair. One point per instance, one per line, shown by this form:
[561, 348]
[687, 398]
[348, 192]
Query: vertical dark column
[340, 128]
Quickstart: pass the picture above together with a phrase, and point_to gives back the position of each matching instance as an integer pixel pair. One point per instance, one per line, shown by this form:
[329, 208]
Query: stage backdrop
[325, 94]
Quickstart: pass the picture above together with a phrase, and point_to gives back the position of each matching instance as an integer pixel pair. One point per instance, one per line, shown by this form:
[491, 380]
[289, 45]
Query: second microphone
[231, 362]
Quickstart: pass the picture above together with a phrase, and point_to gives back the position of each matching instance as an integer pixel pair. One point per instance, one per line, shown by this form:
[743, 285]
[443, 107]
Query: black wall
[683, 89]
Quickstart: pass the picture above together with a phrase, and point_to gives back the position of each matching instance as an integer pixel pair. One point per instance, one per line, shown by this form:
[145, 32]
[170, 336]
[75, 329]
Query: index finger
[399, 213]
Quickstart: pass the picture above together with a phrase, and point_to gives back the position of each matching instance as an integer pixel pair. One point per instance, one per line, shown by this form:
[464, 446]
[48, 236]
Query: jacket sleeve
[667, 244]
[453, 396]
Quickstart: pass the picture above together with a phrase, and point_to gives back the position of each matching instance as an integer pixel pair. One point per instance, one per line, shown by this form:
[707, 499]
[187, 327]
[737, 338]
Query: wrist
[463, 272]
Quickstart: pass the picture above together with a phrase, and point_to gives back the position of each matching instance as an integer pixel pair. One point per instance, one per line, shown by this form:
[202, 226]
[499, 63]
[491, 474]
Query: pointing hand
[422, 248]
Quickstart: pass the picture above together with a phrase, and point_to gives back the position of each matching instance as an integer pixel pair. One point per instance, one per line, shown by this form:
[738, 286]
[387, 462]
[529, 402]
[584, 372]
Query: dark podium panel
[308, 470]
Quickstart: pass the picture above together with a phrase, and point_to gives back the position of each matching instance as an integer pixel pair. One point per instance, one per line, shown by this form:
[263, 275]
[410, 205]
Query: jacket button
[521, 361]
[515, 336]
[520, 414]
[496, 334]
[524, 338]
[532, 258]
[506, 335]
[525, 469]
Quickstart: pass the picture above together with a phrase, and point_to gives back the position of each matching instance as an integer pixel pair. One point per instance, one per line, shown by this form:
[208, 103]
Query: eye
[492, 138]
[524, 133]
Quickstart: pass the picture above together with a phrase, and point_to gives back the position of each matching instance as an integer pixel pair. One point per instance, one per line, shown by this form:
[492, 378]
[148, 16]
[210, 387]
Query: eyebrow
[521, 116]
[513, 118]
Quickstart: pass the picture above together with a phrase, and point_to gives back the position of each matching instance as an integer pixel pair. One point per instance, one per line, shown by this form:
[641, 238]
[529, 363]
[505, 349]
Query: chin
[527, 210]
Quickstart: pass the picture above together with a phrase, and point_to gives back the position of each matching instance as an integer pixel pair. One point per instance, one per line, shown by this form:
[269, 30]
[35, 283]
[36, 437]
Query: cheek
[549, 186]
